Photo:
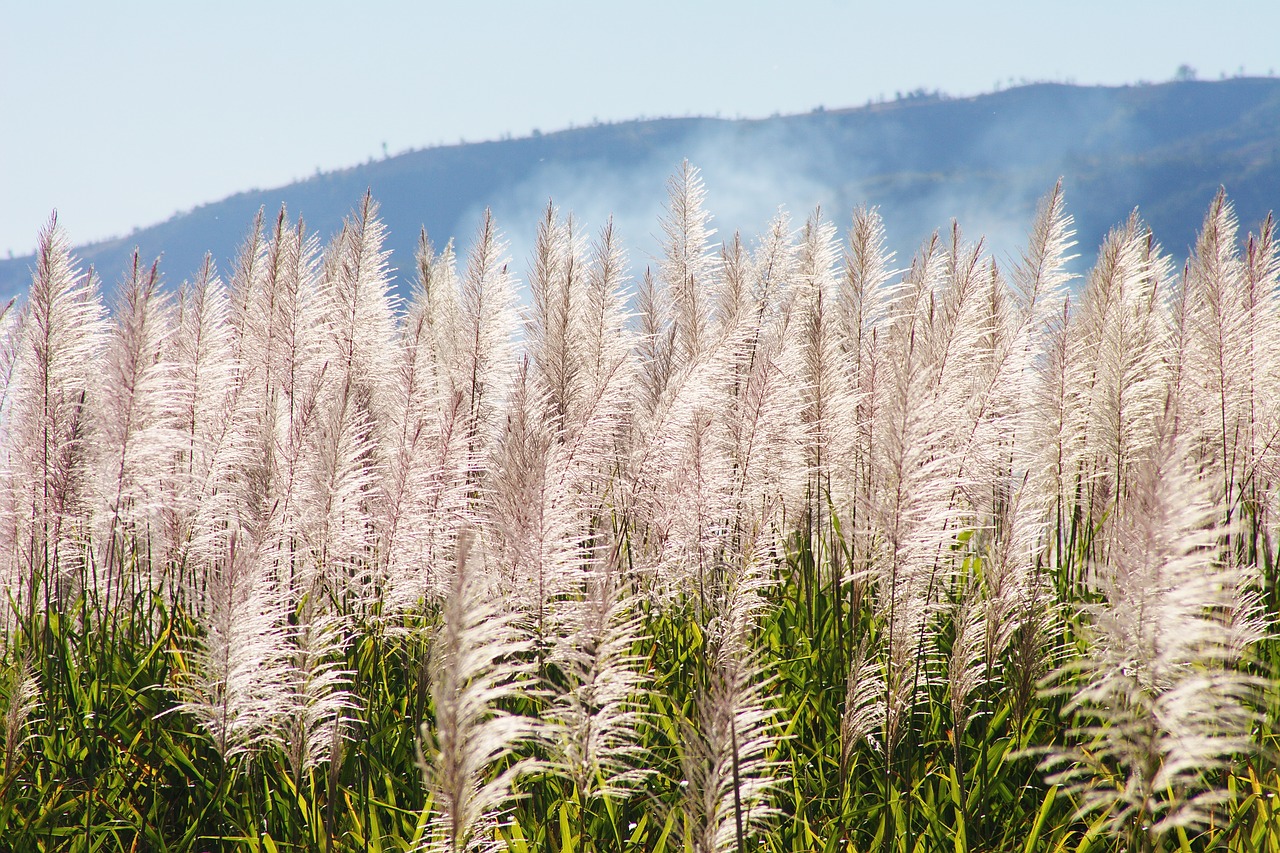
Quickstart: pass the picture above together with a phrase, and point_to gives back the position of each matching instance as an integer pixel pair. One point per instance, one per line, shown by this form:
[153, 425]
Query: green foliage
[110, 766]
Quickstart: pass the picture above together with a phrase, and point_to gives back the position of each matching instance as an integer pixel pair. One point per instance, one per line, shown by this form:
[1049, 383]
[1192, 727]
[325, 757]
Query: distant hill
[923, 160]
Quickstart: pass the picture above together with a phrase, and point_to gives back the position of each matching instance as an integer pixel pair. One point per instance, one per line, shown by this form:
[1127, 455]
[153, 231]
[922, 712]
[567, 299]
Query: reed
[772, 546]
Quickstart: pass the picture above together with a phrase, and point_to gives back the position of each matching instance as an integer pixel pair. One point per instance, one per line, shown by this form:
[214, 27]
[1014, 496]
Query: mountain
[923, 160]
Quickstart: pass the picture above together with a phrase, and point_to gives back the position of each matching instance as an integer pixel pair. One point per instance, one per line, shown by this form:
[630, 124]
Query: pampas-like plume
[212, 428]
[910, 510]
[605, 347]
[678, 478]
[424, 489]
[554, 284]
[291, 308]
[863, 290]
[733, 298]
[276, 315]
[864, 293]
[1002, 435]
[828, 403]
[10, 498]
[599, 421]
[436, 299]
[1047, 446]
[726, 763]
[46, 431]
[654, 346]
[10, 342]
[275, 309]
[1261, 295]
[235, 683]
[1158, 702]
[679, 482]
[317, 719]
[427, 487]
[475, 666]
[1229, 339]
[533, 513]
[1119, 364]
[331, 502]
[1040, 276]
[485, 363]
[20, 694]
[357, 320]
[595, 723]
[579, 347]
[765, 442]
[135, 438]
[343, 457]
[725, 750]
[957, 317]
[688, 264]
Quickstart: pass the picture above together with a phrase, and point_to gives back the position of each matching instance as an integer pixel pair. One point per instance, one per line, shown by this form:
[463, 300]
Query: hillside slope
[984, 161]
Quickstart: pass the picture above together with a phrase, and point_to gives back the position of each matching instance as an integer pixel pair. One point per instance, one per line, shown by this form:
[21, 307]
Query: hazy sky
[120, 114]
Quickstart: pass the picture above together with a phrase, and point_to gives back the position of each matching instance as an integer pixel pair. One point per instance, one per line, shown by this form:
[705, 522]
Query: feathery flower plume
[1261, 295]
[133, 425]
[910, 511]
[1229, 336]
[46, 431]
[687, 266]
[276, 316]
[595, 723]
[211, 430]
[343, 456]
[679, 483]
[604, 348]
[291, 305]
[437, 300]
[318, 716]
[765, 442]
[599, 421]
[423, 495]
[1119, 364]
[725, 750]
[1158, 702]
[20, 695]
[1039, 371]
[827, 402]
[1040, 277]
[733, 298]
[427, 487]
[475, 666]
[485, 365]
[358, 326]
[1004, 438]
[10, 343]
[537, 525]
[235, 683]
[679, 486]
[550, 334]
[653, 352]
[954, 328]
[865, 290]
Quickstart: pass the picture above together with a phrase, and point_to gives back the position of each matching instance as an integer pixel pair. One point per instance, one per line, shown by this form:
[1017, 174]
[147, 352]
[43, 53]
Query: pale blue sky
[119, 114]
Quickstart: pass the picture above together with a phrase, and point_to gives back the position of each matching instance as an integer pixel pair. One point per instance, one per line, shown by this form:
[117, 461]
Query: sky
[120, 114]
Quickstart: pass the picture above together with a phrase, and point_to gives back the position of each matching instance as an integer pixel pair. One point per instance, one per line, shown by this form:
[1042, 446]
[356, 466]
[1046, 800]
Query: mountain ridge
[923, 160]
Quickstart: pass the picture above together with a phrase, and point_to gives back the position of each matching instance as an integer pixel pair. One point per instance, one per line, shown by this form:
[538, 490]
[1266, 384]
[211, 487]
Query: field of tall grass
[780, 544]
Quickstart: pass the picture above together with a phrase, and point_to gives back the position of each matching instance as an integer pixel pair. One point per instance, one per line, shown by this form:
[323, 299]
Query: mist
[924, 161]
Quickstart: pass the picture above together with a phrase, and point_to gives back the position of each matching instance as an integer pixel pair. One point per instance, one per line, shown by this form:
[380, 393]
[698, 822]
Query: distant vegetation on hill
[923, 160]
